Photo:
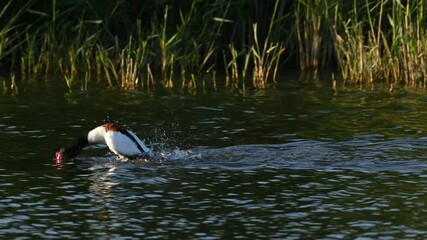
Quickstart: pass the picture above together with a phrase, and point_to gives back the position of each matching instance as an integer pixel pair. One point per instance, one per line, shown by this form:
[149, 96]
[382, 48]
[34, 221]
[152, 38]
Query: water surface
[296, 160]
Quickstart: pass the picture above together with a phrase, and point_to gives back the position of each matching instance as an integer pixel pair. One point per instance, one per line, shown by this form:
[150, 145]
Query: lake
[296, 161]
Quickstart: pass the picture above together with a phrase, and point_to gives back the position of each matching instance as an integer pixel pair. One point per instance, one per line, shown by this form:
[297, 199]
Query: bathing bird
[119, 140]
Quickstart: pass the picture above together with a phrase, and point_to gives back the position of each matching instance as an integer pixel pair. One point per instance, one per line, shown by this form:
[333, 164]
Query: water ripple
[299, 189]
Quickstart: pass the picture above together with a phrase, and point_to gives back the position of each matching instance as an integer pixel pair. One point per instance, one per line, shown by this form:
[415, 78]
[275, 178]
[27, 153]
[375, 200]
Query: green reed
[307, 26]
[382, 41]
[78, 51]
[177, 44]
[11, 31]
[264, 55]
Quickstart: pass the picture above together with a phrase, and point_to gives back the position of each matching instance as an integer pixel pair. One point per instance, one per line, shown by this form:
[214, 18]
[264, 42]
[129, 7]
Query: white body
[118, 142]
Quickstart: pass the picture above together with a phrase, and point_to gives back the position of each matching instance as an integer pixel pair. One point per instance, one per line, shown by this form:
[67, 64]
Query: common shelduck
[120, 140]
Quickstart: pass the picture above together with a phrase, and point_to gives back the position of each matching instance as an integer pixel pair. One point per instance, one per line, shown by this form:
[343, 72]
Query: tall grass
[11, 30]
[266, 56]
[176, 44]
[382, 41]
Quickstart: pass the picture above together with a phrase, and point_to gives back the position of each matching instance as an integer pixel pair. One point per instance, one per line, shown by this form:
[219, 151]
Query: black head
[72, 150]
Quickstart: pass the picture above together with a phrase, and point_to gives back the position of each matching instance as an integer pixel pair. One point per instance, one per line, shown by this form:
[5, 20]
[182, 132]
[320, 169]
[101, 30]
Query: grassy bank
[127, 43]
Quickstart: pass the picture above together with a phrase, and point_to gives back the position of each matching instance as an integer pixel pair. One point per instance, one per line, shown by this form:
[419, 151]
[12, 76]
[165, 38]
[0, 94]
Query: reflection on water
[294, 162]
[302, 189]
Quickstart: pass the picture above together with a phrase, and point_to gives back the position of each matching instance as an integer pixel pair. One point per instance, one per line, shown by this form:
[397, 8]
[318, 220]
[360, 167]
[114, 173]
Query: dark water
[295, 161]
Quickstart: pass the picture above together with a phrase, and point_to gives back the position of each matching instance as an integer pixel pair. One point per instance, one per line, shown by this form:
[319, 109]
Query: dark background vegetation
[127, 42]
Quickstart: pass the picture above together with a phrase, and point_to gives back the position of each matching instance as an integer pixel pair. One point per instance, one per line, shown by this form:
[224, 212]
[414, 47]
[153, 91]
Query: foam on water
[362, 153]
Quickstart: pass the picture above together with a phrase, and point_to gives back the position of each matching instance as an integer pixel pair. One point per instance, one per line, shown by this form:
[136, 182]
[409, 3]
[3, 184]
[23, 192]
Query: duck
[120, 140]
